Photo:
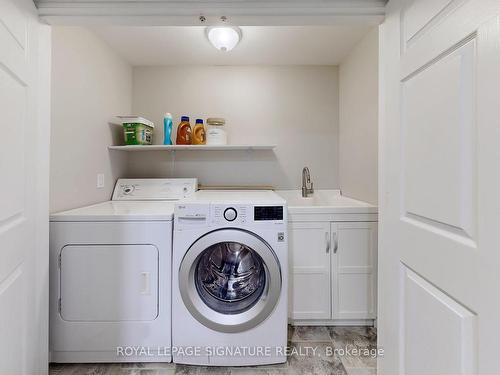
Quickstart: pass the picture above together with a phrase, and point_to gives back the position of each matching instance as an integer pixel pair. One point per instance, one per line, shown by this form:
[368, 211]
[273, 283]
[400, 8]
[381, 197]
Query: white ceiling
[269, 45]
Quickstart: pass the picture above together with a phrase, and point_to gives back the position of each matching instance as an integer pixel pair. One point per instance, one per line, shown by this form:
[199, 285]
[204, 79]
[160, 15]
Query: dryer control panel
[154, 189]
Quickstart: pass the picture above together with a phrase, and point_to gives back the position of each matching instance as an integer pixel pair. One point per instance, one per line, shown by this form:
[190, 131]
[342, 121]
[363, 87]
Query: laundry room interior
[249, 187]
[299, 111]
[309, 92]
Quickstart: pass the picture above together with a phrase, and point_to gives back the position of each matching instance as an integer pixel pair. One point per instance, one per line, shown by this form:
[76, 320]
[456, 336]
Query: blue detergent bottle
[167, 129]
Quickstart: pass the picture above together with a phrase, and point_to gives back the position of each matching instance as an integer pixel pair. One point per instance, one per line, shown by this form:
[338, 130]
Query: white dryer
[110, 275]
[229, 285]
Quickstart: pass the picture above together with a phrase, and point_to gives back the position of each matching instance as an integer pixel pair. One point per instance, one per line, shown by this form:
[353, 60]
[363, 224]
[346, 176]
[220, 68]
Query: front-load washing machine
[229, 279]
[110, 272]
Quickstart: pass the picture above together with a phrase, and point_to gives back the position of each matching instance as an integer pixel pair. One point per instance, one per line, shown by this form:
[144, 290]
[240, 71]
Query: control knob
[230, 214]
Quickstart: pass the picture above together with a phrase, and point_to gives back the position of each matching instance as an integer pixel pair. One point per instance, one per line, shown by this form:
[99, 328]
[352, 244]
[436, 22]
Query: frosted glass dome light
[224, 38]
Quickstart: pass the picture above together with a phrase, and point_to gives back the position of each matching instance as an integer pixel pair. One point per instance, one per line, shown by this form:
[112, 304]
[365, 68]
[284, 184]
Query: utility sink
[324, 201]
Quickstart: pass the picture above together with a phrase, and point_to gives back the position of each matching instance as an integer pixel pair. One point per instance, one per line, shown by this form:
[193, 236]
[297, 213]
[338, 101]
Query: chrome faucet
[307, 185]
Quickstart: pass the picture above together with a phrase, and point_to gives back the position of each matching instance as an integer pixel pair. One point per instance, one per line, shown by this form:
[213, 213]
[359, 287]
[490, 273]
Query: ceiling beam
[188, 12]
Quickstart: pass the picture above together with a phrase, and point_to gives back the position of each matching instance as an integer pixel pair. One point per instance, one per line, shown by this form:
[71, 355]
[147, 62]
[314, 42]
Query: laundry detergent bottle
[167, 129]
[184, 132]
[199, 137]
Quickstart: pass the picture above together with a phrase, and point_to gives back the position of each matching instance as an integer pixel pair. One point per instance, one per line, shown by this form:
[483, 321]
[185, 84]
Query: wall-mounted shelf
[170, 148]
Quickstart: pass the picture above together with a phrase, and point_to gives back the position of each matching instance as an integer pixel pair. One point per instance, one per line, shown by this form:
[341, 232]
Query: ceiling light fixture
[224, 38]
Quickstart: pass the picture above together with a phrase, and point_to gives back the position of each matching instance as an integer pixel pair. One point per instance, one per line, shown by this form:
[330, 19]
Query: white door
[439, 188]
[23, 189]
[354, 265]
[309, 257]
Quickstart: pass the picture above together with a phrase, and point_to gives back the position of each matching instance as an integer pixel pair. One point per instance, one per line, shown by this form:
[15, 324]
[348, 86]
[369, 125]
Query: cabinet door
[309, 289]
[354, 264]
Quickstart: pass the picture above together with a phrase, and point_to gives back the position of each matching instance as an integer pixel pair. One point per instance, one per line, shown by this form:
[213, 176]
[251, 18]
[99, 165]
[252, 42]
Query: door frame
[160, 13]
[42, 177]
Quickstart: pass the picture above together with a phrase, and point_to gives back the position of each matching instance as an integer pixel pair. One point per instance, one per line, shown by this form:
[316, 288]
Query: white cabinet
[309, 285]
[332, 271]
[354, 276]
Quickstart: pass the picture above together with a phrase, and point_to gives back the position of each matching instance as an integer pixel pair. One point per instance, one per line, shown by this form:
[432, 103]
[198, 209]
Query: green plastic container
[137, 131]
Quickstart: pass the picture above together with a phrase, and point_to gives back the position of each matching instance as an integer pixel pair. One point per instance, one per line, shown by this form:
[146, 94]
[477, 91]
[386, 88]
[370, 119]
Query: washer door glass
[230, 277]
[230, 280]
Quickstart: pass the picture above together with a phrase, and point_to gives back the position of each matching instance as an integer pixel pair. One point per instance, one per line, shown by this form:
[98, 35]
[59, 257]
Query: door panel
[439, 116]
[438, 144]
[14, 28]
[113, 293]
[13, 98]
[435, 325]
[12, 318]
[354, 275]
[309, 249]
[23, 188]
[421, 15]
[355, 296]
[449, 27]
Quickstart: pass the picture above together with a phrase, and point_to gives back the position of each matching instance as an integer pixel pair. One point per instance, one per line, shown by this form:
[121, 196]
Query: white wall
[358, 122]
[90, 84]
[295, 107]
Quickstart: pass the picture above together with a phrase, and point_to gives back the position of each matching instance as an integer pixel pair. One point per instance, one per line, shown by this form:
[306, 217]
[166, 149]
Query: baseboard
[333, 322]
[104, 357]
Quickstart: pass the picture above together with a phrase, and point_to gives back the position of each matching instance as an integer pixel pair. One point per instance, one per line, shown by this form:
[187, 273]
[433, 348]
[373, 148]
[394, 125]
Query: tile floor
[315, 342]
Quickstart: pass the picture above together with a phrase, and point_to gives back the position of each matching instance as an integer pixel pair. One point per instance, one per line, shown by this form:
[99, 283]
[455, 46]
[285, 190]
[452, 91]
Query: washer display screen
[230, 277]
[268, 213]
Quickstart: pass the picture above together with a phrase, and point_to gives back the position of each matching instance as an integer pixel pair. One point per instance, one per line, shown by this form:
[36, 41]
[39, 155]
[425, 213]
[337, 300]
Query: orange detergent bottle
[199, 137]
[184, 134]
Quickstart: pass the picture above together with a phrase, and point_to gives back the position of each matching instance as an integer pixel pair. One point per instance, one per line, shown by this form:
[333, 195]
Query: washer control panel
[193, 214]
[243, 214]
[234, 214]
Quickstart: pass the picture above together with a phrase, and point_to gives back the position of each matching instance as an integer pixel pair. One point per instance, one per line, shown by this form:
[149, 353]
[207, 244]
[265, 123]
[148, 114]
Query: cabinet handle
[327, 240]
[335, 243]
